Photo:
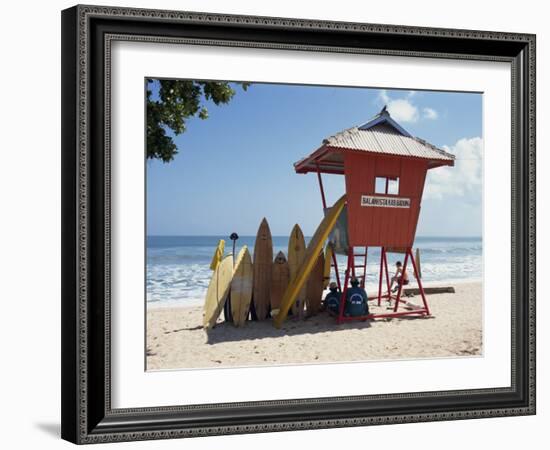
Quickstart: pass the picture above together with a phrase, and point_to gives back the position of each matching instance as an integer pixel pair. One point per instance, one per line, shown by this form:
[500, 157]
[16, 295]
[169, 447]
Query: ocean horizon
[178, 267]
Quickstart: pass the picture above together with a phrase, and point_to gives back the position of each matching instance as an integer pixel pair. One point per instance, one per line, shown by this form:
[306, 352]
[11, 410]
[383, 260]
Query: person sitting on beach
[400, 277]
[356, 300]
[332, 299]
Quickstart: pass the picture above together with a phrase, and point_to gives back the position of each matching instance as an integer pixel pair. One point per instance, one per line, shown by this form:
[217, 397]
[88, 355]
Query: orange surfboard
[280, 276]
[263, 261]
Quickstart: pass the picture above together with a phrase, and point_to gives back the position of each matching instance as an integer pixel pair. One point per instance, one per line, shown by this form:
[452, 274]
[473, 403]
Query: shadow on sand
[320, 323]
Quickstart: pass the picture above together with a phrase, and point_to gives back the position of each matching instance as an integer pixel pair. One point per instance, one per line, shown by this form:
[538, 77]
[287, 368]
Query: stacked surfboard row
[256, 287]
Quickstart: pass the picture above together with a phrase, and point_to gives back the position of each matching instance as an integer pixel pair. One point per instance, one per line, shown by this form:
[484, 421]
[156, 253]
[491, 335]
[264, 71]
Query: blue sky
[236, 167]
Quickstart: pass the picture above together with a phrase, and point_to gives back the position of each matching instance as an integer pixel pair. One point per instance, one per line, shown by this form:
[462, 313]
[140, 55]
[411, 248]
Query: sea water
[178, 267]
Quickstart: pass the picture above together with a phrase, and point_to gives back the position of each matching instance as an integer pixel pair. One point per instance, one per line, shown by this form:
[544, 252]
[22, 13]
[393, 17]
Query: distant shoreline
[178, 268]
[188, 303]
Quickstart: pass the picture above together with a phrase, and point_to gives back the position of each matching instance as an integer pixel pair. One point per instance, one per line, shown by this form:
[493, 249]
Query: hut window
[380, 185]
[393, 186]
[385, 185]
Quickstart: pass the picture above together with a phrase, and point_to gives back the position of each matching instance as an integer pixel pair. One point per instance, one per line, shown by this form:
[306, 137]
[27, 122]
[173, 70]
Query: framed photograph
[281, 224]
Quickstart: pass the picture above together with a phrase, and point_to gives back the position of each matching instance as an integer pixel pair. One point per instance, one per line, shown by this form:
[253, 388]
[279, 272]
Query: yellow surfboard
[313, 250]
[218, 255]
[217, 292]
[328, 265]
[314, 286]
[241, 287]
[296, 253]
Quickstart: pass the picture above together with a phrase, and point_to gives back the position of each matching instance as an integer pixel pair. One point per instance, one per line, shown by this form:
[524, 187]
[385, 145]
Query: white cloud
[400, 109]
[430, 113]
[404, 110]
[462, 180]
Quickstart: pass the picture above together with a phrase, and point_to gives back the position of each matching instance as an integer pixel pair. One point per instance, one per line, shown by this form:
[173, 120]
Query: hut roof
[381, 135]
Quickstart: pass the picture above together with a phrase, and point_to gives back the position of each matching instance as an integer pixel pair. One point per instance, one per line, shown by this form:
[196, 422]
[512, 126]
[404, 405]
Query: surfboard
[280, 276]
[263, 260]
[314, 287]
[217, 292]
[241, 287]
[218, 255]
[313, 249]
[328, 265]
[296, 253]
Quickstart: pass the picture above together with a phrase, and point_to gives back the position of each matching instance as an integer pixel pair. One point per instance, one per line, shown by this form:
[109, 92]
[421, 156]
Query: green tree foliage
[176, 102]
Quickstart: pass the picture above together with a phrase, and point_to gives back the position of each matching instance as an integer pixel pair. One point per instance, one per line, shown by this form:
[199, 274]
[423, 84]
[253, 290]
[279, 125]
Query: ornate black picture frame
[87, 33]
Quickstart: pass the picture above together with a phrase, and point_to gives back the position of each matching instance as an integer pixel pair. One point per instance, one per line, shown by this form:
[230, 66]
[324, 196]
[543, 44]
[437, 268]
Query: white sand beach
[176, 339]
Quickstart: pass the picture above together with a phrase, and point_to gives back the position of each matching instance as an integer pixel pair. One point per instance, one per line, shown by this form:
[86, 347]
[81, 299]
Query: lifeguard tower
[385, 169]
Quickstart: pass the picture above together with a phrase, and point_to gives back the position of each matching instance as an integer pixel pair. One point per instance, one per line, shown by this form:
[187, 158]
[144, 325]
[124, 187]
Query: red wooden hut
[385, 169]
